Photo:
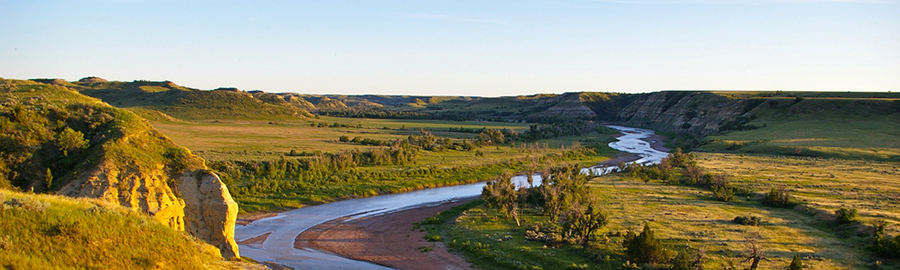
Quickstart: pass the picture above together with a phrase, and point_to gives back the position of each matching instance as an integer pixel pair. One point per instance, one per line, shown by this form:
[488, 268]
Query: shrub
[747, 220]
[884, 245]
[845, 215]
[432, 237]
[645, 248]
[688, 260]
[796, 263]
[778, 197]
[725, 194]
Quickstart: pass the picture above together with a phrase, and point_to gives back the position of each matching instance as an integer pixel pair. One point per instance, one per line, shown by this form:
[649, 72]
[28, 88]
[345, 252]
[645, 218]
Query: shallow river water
[284, 228]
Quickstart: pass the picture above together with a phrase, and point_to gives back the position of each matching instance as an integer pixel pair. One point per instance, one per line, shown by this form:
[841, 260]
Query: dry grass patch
[873, 187]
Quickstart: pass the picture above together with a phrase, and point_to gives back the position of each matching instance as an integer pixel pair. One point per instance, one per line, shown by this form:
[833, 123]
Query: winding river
[284, 228]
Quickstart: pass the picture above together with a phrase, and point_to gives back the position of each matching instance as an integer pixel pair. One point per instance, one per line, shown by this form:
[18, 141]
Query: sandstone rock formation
[146, 192]
[199, 203]
[209, 211]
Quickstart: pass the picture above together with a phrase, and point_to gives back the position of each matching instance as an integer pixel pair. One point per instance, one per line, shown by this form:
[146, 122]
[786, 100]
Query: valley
[822, 155]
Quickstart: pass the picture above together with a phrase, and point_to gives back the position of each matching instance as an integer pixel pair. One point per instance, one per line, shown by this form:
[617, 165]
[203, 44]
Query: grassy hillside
[53, 232]
[839, 128]
[50, 134]
[186, 103]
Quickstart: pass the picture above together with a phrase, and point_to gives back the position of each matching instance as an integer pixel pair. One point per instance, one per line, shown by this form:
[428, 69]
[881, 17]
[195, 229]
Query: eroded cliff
[693, 113]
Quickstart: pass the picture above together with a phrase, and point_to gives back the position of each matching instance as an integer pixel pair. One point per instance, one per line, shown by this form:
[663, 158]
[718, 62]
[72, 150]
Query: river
[285, 227]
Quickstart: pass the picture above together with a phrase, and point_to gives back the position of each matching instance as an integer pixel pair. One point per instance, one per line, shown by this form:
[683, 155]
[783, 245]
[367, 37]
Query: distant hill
[690, 113]
[187, 103]
[56, 140]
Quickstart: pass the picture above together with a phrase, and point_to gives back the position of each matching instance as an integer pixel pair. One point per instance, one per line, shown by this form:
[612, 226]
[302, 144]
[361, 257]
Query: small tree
[796, 263]
[755, 253]
[48, 179]
[583, 220]
[501, 193]
[71, 140]
[644, 248]
[344, 138]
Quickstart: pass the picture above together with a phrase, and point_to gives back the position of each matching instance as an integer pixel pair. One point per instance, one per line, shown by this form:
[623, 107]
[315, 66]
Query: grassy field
[684, 217]
[261, 140]
[873, 187]
[492, 242]
[53, 232]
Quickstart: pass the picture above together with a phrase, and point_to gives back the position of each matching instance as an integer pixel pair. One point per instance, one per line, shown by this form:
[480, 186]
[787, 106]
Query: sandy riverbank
[385, 240]
[655, 141]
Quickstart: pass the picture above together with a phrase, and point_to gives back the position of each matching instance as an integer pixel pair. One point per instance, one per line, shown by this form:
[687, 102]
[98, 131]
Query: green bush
[747, 220]
[778, 197]
[725, 194]
[883, 244]
[433, 238]
[645, 248]
[688, 260]
[845, 215]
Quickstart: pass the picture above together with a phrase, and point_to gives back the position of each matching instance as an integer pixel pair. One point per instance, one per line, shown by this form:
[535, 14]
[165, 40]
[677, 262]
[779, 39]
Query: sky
[460, 47]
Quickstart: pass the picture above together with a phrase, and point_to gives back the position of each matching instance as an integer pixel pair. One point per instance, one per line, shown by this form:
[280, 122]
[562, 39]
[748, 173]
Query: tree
[71, 140]
[778, 196]
[583, 221]
[501, 193]
[755, 254]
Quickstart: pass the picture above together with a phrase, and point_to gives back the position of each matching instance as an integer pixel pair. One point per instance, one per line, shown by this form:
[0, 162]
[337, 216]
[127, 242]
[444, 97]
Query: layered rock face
[570, 106]
[693, 113]
[146, 192]
[196, 202]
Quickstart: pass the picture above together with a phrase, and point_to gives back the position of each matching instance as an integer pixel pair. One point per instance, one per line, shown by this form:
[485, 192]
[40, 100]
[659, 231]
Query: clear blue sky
[459, 47]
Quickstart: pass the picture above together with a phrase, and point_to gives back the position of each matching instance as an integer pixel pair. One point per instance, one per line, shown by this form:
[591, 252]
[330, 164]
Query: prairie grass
[685, 216]
[264, 140]
[54, 232]
[872, 187]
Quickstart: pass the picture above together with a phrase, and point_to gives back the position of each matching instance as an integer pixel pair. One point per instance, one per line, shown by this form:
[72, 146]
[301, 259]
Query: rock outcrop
[569, 106]
[143, 191]
[197, 202]
[209, 211]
